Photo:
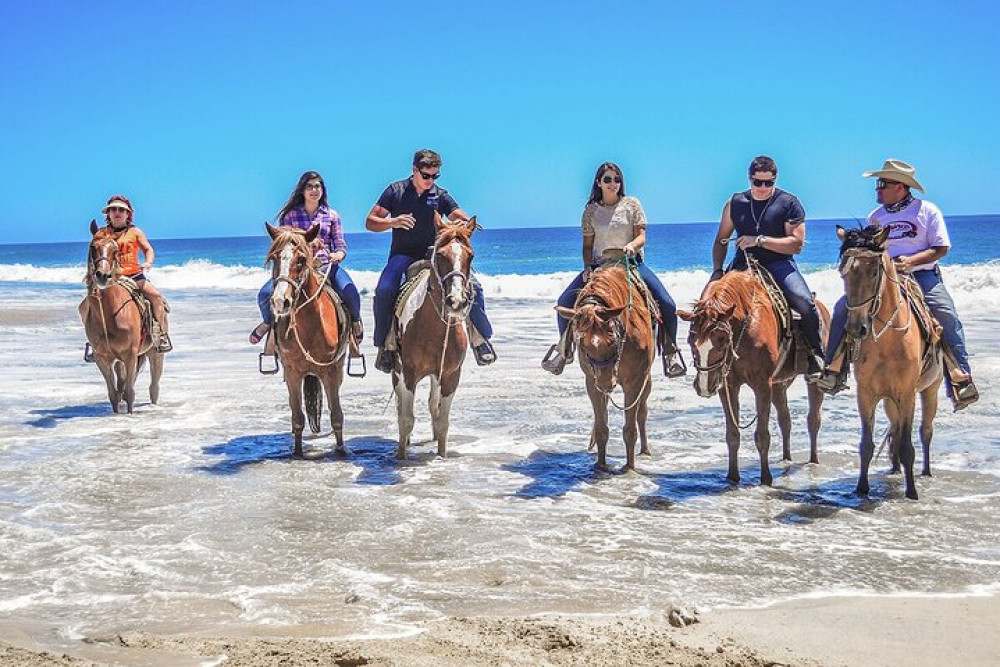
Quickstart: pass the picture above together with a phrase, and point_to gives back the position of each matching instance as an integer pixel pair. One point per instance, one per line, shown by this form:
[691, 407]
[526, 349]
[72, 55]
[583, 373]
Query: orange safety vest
[128, 252]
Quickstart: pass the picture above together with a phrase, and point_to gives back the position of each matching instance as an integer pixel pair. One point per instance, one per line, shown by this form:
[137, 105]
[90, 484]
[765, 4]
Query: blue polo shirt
[401, 197]
[764, 218]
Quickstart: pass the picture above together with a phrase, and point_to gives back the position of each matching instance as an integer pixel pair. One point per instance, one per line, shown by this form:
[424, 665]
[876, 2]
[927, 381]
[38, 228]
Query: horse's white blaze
[458, 282]
[703, 349]
[413, 303]
[595, 341]
[284, 266]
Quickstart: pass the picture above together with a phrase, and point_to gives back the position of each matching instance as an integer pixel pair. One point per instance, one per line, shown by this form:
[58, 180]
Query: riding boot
[385, 360]
[560, 354]
[965, 394]
[673, 360]
[484, 353]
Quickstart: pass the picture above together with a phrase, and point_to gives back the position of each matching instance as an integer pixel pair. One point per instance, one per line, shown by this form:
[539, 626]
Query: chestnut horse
[433, 333]
[112, 316]
[734, 339]
[309, 339]
[893, 360]
[613, 331]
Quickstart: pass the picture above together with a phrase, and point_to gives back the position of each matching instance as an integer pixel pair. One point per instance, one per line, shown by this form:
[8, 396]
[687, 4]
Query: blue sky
[205, 113]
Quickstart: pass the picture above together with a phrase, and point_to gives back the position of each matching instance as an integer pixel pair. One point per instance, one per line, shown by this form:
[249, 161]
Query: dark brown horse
[734, 338]
[894, 362]
[434, 333]
[310, 342]
[613, 331]
[113, 317]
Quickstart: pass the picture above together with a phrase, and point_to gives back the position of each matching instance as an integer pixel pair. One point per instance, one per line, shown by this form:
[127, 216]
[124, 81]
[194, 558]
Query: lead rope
[294, 329]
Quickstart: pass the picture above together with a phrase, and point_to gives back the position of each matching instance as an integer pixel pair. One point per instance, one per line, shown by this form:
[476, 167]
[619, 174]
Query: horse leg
[730, 398]
[599, 432]
[131, 370]
[404, 414]
[294, 384]
[866, 449]
[331, 384]
[155, 371]
[107, 369]
[929, 405]
[892, 413]
[762, 434]
[441, 428]
[434, 406]
[641, 415]
[779, 399]
[814, 420]
[903, 434]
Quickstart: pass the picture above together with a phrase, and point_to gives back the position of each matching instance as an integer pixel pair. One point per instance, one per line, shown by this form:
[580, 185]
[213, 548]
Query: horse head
[102, 257]
[599, 333]
[452, 263]
[863, 269]
[291, 257]
[711, 338]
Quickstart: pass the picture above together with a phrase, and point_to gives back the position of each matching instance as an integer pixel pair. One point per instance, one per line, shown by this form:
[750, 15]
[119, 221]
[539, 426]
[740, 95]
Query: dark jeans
[800, 298]
[338, 279]
[392, 278]
[668, 309]
[939, 302]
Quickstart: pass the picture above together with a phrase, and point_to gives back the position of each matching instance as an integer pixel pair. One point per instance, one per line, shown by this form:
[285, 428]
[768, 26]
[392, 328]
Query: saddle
[150, 327]
[416, 276]
[793, 348]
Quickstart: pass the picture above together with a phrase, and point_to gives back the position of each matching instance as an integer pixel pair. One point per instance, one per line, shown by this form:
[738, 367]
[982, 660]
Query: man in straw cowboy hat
[919, 238]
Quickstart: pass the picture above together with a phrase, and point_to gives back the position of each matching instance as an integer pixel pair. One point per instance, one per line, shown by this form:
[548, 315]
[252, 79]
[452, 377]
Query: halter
[467, 290]
[114, 266]
[847, 264]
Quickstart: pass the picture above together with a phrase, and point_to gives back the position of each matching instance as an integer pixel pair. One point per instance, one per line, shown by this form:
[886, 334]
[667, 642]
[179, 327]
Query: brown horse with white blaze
[734, 338]
[894, 362]
[613, 330]
[307, 332]
[112, 316]
[434, 333]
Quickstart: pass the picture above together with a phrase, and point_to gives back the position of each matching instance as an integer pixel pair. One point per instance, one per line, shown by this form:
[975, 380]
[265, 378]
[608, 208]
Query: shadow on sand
[50, 418]
[555, 474]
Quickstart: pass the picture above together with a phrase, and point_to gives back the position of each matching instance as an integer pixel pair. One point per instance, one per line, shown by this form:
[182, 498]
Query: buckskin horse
[613, 331]
[433, 334]
[118, 323]
[735, 340]
[311, 340]
[894, 362]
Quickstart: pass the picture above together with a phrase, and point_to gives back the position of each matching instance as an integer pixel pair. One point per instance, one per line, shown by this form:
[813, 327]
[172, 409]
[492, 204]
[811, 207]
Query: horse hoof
[911, 494]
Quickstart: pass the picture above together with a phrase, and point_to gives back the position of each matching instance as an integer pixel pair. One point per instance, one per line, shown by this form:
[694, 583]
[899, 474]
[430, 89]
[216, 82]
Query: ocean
[191, 515]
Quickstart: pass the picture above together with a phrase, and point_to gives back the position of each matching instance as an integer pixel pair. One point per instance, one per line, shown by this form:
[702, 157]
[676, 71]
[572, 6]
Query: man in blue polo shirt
[409, 208]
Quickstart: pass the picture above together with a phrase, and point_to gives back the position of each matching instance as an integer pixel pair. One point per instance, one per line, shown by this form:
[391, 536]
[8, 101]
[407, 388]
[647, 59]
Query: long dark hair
[298, 197]
[595, 189]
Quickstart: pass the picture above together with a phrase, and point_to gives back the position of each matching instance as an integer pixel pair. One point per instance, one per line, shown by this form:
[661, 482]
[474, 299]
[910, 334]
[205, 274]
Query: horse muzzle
[706, 383]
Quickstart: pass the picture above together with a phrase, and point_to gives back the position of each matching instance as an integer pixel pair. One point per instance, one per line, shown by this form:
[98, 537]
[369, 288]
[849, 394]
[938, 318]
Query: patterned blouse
[613, 226]
[331, 234]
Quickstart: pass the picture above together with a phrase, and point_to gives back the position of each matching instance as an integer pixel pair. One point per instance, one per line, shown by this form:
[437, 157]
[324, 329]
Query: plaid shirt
[331, 235]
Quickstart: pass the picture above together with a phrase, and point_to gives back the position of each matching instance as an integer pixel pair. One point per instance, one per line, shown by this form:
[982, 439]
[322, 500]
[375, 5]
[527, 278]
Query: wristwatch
[759, 241]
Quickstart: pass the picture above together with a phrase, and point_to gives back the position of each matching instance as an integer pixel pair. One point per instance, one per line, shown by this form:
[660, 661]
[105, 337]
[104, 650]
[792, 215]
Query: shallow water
[191, 515]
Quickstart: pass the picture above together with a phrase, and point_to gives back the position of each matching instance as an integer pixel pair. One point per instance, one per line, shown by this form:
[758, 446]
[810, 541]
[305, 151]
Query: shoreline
[920, 631]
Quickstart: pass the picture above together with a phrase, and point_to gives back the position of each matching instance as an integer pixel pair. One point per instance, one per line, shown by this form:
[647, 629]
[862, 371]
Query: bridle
[467, 288]
[619, 334]
[730, 356]
[297, 289]
[112, 261]
[847, 262]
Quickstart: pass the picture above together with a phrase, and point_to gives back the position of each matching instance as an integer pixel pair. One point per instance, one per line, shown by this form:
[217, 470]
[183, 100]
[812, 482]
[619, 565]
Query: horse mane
[286, 235]
[736, 288]
[862, 238]
[608, 289]
[454, 232]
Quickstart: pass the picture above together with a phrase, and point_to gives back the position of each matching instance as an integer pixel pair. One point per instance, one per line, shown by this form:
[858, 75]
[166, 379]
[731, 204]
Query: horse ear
[882, 236]
[685, 315]
[609, 313]
[312, 233]
[841, 233]
[568, 313]
[93, 227]
[472, 224]
[271, 231]
[728, 312]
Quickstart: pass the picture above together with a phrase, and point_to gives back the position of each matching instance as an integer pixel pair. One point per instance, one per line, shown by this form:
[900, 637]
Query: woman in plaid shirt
[305, 207]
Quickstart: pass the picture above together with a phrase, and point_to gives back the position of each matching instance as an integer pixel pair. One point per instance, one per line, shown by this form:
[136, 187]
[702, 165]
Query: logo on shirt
[432, 201]
[901, 229]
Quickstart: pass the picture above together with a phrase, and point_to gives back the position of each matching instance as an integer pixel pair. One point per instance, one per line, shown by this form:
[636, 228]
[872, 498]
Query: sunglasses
[610, 179]
[430, 177]
[882, 184]
[313, 186]
[761, 183]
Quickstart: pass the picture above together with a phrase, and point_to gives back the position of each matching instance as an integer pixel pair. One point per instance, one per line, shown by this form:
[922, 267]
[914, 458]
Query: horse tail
[314, 401]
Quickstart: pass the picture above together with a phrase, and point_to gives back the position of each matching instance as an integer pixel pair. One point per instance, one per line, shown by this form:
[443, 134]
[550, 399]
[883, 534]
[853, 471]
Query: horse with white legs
[433, 333]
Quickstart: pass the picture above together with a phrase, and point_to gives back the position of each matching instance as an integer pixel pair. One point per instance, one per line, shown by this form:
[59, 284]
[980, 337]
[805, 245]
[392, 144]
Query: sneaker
[965, 394]
[673, 366]
[554, 361]
[485, 354]
[815, 365]
[831, 382]
[385, 361]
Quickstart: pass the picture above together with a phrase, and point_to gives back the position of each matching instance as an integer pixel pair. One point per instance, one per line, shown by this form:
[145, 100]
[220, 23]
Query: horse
[433, 333]
[613, 331]
[893, 362]
[114, 315]
[734, 338]
[310, 339]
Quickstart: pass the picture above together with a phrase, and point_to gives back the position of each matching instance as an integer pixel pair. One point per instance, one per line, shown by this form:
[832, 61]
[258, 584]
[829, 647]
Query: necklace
[756, 220]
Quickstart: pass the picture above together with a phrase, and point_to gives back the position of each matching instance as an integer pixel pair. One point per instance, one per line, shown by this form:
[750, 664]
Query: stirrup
[385, 360]
[88, 353]
[673, 362]
[164, 345]
[260, 363]
[832, 382]
[554, 361]
[484, 353]
[965, 394]
[364, 366]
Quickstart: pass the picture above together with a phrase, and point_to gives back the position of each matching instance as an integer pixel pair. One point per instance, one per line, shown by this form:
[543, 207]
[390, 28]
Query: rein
[876, 298]
[293, 328]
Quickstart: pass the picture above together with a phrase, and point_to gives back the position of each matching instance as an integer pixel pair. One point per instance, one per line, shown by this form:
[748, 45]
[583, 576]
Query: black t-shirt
[401, 197]
[764, 218]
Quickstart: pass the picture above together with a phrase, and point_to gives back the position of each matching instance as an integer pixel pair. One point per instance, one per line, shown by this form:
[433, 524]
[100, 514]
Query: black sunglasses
[761, 183]
[432, 177]
[882, 184]
[609, 179]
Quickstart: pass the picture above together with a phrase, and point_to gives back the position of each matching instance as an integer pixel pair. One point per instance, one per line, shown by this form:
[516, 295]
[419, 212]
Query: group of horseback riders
[769, 224]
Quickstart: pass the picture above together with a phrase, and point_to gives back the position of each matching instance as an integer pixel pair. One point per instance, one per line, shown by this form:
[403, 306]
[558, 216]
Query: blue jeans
[939, 302]
[392, 278]
[338, 279]
[668, 309]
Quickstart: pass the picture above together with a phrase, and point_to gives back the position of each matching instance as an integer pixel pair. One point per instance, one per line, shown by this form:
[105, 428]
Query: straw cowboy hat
[896, 170]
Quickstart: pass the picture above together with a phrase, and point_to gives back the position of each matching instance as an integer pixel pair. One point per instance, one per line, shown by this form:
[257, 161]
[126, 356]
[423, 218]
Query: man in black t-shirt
[410, 208]
[771, 227]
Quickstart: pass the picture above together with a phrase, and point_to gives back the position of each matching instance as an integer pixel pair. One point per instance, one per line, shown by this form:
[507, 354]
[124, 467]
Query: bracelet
[759, 241]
